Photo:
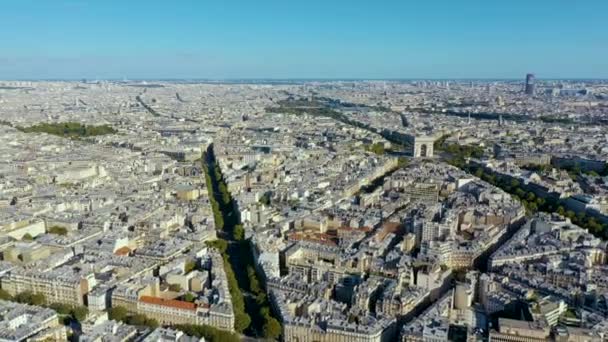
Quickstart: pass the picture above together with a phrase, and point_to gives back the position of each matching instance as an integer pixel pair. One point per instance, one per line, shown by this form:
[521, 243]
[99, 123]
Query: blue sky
[303, 39]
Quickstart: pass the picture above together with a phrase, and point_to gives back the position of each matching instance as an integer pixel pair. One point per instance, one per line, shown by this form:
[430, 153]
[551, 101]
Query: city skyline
[348, 211]
[396, 40]
[296, 171]
[299, 80]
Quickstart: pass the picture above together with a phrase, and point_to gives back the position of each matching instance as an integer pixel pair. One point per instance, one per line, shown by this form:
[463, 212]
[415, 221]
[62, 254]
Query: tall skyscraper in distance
[529, 90]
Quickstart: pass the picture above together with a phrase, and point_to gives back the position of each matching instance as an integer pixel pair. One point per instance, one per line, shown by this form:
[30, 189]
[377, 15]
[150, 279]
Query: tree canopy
[72, 130]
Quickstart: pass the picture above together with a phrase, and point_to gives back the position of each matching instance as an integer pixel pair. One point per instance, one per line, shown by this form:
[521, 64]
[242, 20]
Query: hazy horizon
[263, 79]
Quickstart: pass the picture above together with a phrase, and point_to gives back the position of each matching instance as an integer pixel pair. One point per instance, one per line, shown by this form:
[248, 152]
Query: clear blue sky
[303, 39]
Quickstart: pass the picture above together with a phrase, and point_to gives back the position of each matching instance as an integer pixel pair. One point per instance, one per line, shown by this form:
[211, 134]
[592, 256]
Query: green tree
[151, 323]
[594, 227]
[531, 197]
[137, 319]
[72, 130]
[377, 148]
[264, 199]
[239, 232]
[540, 201]
[118, 313]
[62, 309]
[242, 321]
[219, 221]
[190, 266]
[581, 216]
[224, 193]
[189, 297]
[58, 230]
[5, 295]
[261, 299]
[272, 328]
[80, 313]
[28, 297]
[38, 299]
[220, 245]
[254, 284]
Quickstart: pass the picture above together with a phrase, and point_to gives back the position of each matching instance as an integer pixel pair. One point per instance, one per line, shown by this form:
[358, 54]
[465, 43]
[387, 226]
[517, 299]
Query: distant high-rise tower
[529, 90]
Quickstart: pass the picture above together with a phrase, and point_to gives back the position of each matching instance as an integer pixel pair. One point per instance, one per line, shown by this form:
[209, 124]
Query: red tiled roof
[179, 304]
[391, 226]
[123, 251]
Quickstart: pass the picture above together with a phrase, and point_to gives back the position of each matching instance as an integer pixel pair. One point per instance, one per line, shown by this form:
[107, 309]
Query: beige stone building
[57, 286]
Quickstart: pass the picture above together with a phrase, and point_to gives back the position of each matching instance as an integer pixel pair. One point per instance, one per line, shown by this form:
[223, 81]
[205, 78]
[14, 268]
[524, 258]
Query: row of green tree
[242, 319]
[529, 199]
[576, 169]
[254, 315]
[463, 151]
[121, 314]
[58, 230]
[438, 144]
[573, 170]
[315, 107]
[208, 333]
[534, 203]
[68, 313]
[458, 153]
[555, 119]
[146, 106]
[72, 130]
